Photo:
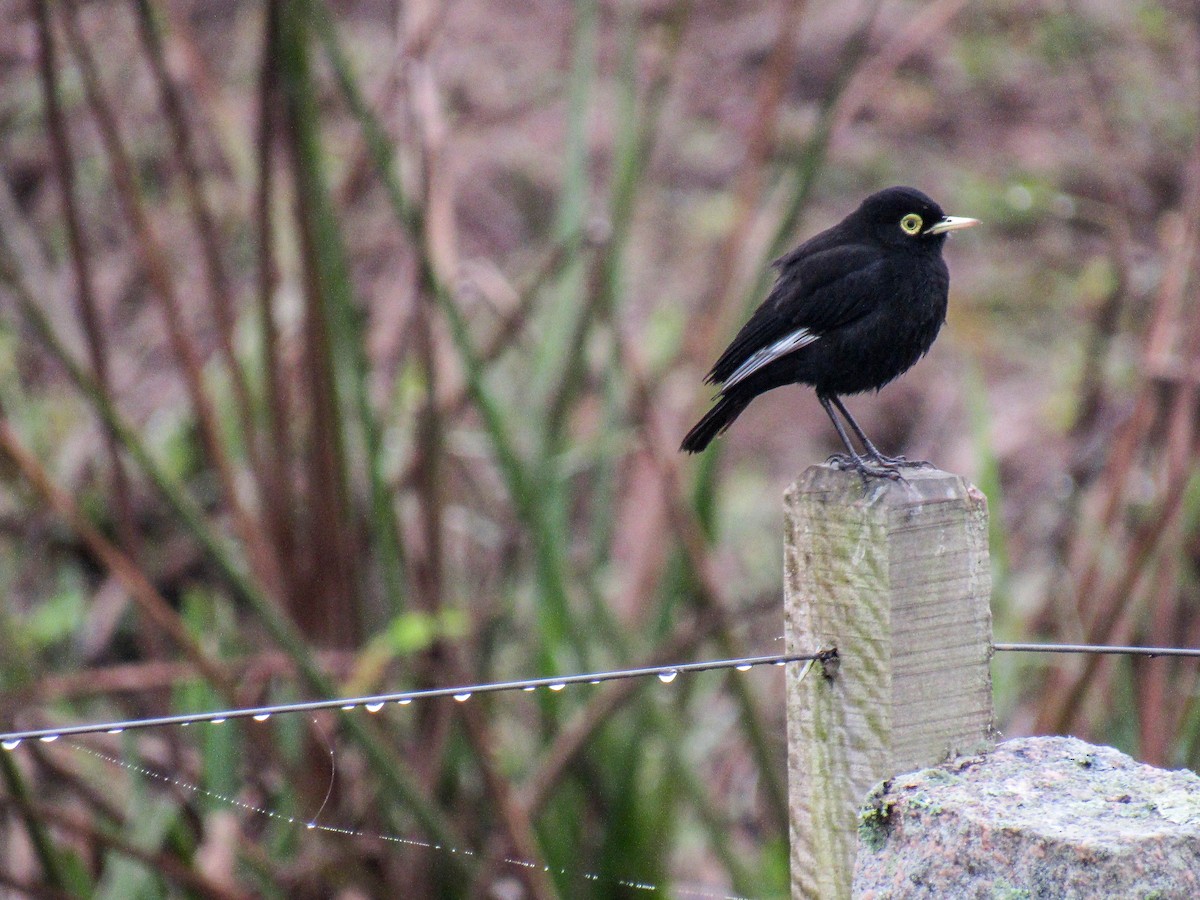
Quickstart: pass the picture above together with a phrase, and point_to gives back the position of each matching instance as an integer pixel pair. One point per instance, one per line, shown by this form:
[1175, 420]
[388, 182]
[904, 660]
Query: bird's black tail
[715, 421]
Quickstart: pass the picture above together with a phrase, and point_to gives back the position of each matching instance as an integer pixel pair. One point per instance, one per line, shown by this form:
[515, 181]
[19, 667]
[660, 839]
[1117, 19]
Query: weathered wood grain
[895, 576]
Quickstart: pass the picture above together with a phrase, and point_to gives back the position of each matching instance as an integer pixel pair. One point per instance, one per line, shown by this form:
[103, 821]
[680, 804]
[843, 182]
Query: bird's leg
[854, 460]
[872, 450]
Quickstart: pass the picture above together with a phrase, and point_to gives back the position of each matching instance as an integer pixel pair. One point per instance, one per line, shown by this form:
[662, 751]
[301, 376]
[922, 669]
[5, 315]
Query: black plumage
[852, 308]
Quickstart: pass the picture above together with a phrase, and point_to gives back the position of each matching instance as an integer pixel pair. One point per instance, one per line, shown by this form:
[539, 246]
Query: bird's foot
[865, 467]
[901, 462]
[898, 462]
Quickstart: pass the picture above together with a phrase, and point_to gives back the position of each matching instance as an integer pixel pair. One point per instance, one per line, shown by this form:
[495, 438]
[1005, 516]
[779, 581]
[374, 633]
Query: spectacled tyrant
[852, 308]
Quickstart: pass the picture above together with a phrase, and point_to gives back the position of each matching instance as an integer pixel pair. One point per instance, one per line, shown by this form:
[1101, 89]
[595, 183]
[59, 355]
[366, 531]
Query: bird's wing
[814, 294]
[793, 340]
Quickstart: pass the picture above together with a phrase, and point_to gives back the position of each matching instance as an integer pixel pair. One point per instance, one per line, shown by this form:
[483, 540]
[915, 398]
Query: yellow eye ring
[911, 224]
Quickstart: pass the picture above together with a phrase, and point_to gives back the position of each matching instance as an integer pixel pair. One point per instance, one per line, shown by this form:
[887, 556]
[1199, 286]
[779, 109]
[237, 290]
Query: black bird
[851, 309]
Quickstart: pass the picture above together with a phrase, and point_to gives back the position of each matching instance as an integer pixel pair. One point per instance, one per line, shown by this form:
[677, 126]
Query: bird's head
[905, 218]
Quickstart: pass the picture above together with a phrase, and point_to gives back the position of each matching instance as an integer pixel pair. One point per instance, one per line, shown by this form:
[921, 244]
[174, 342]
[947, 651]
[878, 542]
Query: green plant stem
[390, 767]
[548, 546]
[43, 846]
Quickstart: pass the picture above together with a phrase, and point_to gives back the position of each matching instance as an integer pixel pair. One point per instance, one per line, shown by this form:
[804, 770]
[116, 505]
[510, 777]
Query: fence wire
[1099, 649]
[665, 673]
[376, 702]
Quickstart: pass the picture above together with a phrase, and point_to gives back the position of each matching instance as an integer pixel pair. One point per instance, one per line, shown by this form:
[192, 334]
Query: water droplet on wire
[374, 707]
[463, 697]
[348, 707]
[557, 686]
[529, 689]
[114, 731]
[668, 676]
[404, 701]
[48, 738]
[11, 745]
[743, 668]
[262, 717]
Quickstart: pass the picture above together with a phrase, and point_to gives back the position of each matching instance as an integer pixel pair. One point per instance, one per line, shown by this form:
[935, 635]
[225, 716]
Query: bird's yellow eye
[911, 224]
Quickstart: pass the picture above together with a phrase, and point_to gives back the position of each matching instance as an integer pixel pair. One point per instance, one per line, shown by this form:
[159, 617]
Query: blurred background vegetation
[346, 348]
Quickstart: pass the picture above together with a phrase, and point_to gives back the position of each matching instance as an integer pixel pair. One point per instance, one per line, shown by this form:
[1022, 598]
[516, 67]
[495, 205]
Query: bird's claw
[901, 462]
[866, 468]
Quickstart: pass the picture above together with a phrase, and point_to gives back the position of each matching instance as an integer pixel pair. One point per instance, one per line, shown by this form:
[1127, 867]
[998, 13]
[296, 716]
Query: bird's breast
[899, 329]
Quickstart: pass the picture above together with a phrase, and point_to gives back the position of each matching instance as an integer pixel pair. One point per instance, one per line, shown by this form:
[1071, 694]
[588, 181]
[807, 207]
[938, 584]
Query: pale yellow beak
[951, 223]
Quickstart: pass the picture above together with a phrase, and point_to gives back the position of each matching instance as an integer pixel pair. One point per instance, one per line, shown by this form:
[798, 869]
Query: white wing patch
[802, 337]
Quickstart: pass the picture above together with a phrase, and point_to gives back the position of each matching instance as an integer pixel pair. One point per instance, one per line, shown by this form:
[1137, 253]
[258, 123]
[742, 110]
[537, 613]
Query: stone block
[1034, 818]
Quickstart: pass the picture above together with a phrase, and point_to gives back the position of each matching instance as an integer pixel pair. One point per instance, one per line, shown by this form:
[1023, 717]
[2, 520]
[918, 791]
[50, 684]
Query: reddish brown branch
[89, 308]
[154, 263]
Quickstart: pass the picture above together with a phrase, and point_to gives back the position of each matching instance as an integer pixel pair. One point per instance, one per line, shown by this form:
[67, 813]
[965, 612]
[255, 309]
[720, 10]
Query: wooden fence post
[895, 576]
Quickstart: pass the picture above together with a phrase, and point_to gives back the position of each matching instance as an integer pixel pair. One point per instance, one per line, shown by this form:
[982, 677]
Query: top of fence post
[895, 576]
